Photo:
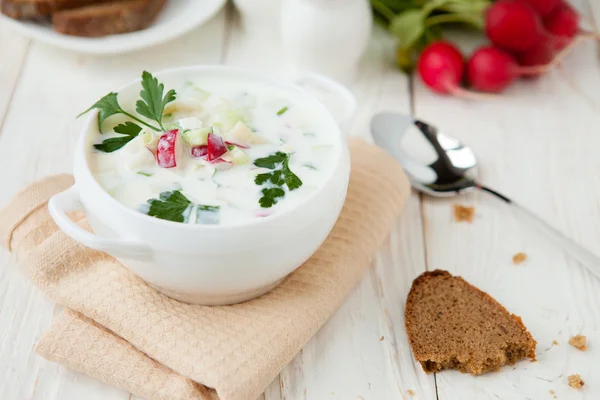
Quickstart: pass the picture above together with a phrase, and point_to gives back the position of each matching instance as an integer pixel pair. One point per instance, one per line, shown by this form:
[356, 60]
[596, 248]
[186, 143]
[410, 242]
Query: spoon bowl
[435, 162]
[440, 165]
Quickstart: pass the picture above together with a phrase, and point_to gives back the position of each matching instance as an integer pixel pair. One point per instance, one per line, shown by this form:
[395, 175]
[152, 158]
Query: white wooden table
[540, 144]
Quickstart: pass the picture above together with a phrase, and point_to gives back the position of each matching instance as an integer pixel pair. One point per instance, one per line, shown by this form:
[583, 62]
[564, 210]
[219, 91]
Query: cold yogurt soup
[211, 151]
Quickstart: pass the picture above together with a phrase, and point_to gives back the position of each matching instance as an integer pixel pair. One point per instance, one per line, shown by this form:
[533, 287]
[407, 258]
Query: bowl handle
[69, 200]
[344, 97]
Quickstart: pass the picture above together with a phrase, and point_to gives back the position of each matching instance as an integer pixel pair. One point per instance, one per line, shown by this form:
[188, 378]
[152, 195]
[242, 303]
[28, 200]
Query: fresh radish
[563, 23]
[166, 149]
[543, 7]
[441, 67]
[199, 151]
[513, 25]
[540, 54]
[491, 69]
[215, 147]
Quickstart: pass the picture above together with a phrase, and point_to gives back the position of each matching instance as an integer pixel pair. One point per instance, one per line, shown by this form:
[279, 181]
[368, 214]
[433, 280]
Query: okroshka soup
[211, 148]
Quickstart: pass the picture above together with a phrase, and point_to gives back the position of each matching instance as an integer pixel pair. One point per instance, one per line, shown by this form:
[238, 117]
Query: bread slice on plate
[107, 19]
[453, 325]
[27, 9]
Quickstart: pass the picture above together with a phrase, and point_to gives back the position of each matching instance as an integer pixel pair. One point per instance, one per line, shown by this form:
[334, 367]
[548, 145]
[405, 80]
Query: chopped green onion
[144, 173]
[283, 110]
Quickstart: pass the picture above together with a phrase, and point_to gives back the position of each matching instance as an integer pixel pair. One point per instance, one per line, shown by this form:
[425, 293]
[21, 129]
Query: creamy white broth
[279, 120]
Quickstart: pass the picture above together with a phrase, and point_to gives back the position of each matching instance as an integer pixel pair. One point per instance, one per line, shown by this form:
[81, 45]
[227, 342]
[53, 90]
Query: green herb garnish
[174, 206]
[281, 175]
[150, 106]
[129, 129]
[144, 173]
[270, 197]
[171, 206]
[283, 110]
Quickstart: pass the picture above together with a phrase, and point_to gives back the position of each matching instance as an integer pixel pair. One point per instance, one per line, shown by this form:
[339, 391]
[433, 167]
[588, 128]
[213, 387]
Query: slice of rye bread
[28, 9]
[453, 325]
[107, 19]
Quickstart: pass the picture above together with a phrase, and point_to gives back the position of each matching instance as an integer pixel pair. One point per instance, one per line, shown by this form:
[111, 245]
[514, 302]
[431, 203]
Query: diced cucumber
[236, 156]
[190, 123]
[150, 139]
[196, 137]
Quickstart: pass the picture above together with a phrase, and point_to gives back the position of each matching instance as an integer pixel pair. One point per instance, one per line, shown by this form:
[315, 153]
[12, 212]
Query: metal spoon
[440, 165]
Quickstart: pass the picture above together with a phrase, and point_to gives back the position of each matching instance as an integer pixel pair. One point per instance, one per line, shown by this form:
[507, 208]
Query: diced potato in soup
[223, 151]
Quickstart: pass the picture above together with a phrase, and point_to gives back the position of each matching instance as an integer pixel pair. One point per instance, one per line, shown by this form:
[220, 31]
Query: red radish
[540, 54]
[199, 151]
[491, 69]
[513, 25]
[236, 144]
[543, 7]
[563, 21]
[165, 149]
[441, 67]
[215, 147]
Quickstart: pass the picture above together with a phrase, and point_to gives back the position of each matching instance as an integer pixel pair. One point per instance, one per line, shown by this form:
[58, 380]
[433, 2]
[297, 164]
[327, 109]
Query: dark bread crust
[28, 9]
[107, 19]
[454, 325]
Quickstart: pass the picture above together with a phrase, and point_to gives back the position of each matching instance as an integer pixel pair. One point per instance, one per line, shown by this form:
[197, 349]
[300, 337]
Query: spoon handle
[583, 255]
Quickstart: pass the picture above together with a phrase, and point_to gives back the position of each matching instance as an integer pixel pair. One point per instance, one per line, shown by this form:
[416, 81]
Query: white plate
[177, 18]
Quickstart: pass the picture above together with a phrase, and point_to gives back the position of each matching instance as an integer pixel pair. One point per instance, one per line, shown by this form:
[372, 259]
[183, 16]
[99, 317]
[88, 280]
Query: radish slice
[199, 151]
[165, 150]
[216, 147]
[236, 144]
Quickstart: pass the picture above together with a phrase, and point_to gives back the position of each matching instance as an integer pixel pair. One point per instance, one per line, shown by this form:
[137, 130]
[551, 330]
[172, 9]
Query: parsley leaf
[281, 175]
[272, 161]
[106, 106]
[270, 197]
[282, 111]
[171, 206]
[113, 144]
[291, 179]
[153, 103]
[129, 129]
[109, 106]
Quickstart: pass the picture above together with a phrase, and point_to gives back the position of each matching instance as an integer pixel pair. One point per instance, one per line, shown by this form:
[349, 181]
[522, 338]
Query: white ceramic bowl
[206, 264]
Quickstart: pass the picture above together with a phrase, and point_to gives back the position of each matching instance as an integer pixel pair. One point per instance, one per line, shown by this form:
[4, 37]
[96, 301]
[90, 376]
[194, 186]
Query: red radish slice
[165, 149]
[236, 144]
[199, 151]
[513, 25]
[543, 7]
[216, 147]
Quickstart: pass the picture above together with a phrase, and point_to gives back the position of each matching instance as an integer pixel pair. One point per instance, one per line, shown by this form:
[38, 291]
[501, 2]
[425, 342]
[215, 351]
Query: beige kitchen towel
[121, 331]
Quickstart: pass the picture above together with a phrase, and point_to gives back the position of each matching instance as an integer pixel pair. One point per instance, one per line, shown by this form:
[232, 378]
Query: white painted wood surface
[538, 144]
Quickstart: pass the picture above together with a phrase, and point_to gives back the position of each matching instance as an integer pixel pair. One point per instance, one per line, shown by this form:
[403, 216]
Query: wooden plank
[347, 359]
[38, 139]
[536, 145]
[14, 48]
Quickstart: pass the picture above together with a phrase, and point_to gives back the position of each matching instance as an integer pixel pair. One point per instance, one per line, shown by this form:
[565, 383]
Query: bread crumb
[410, 393]
[555, 343]
[579, 342]
[552, 393]
[519, 258]
[381, 339]
[462, 213]
[575, 381]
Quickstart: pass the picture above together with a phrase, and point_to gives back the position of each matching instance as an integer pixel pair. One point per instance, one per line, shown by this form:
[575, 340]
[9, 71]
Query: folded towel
[121, 331]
